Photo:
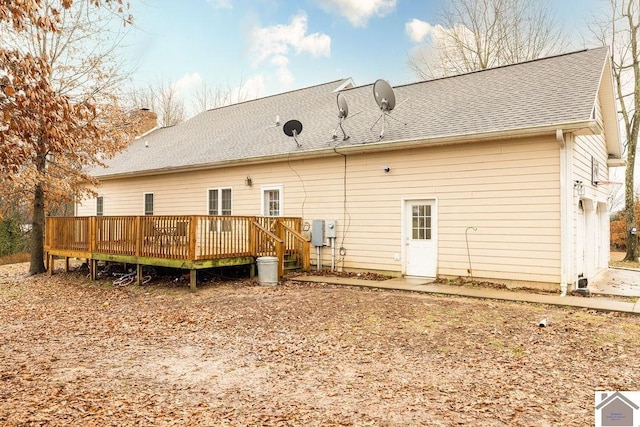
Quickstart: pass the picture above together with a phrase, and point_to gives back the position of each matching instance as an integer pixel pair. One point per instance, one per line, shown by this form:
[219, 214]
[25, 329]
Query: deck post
[192, 279]
[93, 234]
[93, 269]
[193, 228]
[138, 274]
[66, 264]
[138, 231]
[51, 264]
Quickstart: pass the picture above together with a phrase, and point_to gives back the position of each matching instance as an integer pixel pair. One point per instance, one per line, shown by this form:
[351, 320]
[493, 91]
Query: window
[148, 203]
[220, 204]
[421, 222]
[220, 201]
[99, 206]
[272, 197]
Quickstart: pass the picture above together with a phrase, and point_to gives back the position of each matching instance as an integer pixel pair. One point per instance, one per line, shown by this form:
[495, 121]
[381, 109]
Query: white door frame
[405, 230]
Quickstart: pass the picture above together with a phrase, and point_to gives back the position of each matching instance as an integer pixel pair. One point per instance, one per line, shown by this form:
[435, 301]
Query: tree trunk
[629, 205]
[37, 230]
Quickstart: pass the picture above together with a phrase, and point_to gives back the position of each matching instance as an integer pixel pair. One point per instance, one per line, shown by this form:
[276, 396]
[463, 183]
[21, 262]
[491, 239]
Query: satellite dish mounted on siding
[386, 100]
[293, 128]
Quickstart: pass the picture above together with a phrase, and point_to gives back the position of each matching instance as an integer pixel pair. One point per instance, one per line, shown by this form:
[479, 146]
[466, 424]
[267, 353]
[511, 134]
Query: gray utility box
[330, 229]
[317, 232]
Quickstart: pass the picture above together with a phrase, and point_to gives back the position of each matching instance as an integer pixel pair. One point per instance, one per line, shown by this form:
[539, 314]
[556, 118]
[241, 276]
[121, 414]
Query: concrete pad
[427, 286]
[617, 281]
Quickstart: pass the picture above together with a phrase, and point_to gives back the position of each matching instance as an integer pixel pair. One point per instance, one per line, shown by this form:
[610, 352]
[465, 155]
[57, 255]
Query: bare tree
[477, 34]
[207, 97]
[621, 31]
[163, 99]
[59, 102]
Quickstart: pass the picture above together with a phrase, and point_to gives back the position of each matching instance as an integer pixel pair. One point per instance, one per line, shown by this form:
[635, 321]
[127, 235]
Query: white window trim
[219, 199]
[97, 198]
[144, 207]
[280, 188]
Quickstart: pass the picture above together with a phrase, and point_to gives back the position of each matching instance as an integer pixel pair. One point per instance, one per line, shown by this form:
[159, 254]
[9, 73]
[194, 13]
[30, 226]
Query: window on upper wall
[148, 203]
[272, 200]
[99, 206]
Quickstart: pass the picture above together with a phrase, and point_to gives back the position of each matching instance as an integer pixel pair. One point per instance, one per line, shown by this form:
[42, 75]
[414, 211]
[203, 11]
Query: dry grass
[85, 353]
[14, 258]
[616, 260]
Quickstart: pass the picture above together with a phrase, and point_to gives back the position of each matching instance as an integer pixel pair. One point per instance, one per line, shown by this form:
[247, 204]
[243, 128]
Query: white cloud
[221, 4]
[277, 42]
[358, 12]
[280, 61]
[187, 83]
[254, 87]
[279, 39]
[418, 30]
[285, 77]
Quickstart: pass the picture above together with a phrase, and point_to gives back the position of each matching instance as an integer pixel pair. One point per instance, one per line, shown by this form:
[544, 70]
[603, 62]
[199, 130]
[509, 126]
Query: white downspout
[566, 209]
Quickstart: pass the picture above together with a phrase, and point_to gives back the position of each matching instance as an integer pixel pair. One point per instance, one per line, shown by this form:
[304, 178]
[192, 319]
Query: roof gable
[555, 91]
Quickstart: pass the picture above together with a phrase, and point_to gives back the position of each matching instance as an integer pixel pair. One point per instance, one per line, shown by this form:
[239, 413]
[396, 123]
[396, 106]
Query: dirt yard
[234, 353]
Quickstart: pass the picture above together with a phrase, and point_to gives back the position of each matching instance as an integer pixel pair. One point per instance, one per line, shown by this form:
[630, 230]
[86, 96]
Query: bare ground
[80, 353]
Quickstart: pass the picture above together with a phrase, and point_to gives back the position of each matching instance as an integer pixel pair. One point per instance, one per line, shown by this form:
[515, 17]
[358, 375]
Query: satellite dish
[343, 108]
[293, 128]
[386, 100]
[383, 93]
[343, 112]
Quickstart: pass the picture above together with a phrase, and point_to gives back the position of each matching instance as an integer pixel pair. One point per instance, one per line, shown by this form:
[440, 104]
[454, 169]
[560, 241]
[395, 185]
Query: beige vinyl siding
[508, 189]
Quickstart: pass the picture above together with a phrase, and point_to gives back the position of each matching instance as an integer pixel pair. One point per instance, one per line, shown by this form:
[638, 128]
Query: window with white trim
[99, 206]
[273, 200]
[220, 201]
[148, 203]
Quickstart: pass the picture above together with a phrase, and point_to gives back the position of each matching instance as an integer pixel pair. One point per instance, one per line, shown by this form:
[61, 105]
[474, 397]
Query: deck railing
[185, 237]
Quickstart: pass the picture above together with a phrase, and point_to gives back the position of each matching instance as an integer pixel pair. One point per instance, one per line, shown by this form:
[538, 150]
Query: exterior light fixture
[579, 188]
[248, 181]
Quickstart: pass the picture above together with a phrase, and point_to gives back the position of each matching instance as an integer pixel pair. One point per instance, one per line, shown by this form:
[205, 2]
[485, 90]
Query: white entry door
[421, 245]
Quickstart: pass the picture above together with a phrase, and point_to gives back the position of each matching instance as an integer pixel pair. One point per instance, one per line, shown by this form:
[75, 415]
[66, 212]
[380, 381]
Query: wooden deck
[189, 241]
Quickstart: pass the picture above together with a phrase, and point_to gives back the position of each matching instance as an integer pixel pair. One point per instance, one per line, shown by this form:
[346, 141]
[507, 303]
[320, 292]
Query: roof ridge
[497, 67]
[278, 94]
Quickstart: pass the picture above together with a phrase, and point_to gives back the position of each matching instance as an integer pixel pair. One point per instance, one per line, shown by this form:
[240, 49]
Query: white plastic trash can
[267, 270]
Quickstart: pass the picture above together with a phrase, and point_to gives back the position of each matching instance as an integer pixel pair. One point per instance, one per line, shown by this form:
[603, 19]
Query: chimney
[143, 120]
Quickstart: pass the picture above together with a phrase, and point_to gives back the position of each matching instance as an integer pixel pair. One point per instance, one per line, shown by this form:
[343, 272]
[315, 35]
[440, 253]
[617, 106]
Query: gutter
[579, 127]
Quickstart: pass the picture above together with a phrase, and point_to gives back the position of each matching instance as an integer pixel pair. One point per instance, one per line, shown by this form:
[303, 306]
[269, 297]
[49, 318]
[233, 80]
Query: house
[500, 173]
[615, 409]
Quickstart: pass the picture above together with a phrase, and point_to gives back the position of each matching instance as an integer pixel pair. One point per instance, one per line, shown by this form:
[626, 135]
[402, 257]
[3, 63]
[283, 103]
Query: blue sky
[273, 46]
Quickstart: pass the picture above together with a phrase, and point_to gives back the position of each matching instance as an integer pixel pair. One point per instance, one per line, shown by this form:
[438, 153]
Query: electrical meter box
[330, 229]
[317, 232]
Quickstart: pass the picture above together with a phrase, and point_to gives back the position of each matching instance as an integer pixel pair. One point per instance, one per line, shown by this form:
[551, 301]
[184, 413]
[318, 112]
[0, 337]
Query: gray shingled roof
[544, 92]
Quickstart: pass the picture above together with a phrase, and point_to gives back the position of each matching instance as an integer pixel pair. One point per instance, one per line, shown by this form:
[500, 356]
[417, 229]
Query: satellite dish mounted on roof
[343, 112]
[386, 100]
[293, 128]
[343, 115]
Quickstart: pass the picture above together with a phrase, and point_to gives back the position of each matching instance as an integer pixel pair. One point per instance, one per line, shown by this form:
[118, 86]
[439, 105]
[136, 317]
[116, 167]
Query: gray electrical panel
[317, 232]
[330, 229]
